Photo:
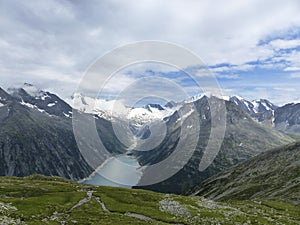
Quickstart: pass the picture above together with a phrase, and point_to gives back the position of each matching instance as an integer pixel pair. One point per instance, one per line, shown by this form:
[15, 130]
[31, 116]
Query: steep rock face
[244, 138]
[274, 174]
[287, 118]
[4, 97]
[33, 141]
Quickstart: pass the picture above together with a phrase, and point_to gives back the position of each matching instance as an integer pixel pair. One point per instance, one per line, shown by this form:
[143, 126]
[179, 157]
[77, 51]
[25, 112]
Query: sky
[251, 46]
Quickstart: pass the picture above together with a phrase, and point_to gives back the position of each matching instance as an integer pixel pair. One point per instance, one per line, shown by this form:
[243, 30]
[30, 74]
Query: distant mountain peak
[152, 106]
[195, 98]
[28, 84]
[27, 89]
[170, 104]
[33, 97]
[251, 107]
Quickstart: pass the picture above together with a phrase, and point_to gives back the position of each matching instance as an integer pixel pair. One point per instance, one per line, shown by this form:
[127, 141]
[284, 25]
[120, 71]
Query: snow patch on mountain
[51, 104]
[67, 115]
[186, 115]
[106, 109]
[225, 97]
[149, 114]
[28, 105]
[34, 107]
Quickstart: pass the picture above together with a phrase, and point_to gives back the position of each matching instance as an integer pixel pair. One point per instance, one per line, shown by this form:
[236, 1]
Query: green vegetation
[53, 200]
[272, 175]
[295, 136]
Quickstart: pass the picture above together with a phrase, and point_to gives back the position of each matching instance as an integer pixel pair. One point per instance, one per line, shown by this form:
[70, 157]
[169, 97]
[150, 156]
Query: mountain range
[284, 118]
[36, 134]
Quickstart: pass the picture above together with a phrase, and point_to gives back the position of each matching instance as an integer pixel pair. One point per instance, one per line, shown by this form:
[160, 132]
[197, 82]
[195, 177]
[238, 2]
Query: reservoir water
[118, 171]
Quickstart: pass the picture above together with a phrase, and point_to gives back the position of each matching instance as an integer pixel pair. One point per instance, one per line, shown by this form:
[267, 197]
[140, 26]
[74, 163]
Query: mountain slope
[33, 141]
[244, 138]
[274, 174]
[52, 200]
[4, 97]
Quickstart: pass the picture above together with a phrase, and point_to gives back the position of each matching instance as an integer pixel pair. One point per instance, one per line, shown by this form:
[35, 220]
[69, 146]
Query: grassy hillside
[52, 200]
[274, 174]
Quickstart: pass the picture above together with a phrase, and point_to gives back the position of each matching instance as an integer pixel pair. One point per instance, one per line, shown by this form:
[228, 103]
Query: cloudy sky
[252, 46]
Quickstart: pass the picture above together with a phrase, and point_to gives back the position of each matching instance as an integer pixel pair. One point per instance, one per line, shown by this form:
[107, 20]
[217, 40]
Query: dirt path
[85, 200]
[98, 199]
[102, 204]
[138, 216]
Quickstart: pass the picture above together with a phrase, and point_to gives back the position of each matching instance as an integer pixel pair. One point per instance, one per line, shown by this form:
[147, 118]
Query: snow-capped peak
[34, 91]
[263, 105]
[252, 107]
[225, 97]
[110, 109]
[195, 98]
[35, 98]
[28, 89]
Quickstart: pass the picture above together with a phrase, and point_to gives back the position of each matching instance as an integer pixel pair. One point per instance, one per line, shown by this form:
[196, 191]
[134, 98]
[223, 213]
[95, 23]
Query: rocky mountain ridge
[38, 138]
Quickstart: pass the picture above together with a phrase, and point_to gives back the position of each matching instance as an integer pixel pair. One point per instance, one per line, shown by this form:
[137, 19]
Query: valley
[241, 185]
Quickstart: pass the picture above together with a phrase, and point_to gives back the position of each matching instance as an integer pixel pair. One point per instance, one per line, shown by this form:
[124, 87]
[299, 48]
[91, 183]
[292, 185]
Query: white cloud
[118, 83]
[285, 44]
[64, 37]
[228, 76]
[292, 68]
[242, 67]
[291, 60]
